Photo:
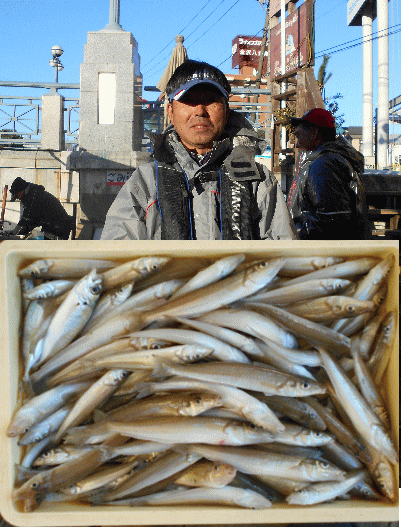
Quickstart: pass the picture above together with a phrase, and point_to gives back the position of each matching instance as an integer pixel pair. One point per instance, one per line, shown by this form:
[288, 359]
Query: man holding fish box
[203, 182]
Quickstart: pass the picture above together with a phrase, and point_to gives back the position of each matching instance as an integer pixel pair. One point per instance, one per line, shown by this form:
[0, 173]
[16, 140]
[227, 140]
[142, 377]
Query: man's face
[306, 137]
[199, 117]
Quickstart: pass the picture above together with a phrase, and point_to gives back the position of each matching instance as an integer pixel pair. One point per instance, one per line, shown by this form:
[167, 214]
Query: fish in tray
[159, 381]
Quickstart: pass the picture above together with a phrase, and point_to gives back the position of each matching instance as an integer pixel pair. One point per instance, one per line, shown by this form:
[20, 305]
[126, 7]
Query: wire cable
[182, 30]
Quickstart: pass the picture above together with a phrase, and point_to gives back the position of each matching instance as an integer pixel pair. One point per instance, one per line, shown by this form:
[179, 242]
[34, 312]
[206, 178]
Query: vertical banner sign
[298, 45]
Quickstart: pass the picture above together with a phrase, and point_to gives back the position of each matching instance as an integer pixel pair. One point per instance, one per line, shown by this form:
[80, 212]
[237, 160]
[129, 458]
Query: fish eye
[325, 464]
[34, 485]
[95, 289]
[305, 384]
[350, 309]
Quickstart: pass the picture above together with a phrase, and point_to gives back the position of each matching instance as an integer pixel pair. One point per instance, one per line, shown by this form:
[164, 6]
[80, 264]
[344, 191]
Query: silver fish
[346, 269]
[221, 350]
[221, 293]
[329, 308]
[206, 473]
[39, 407]
[168, 464]
[245, 376]
[241, 402]
[316, 333]
[227, 495]
[147, 359]
[64, 268]
[198, 429]
[251, 323]
[49, 289]
[72, 315]
[91, 399]
[300, 265]
[46, 427]
[319, 492]
[218, 270]
[251, 460]
[362, 417]
[133, 271]
[304, 291]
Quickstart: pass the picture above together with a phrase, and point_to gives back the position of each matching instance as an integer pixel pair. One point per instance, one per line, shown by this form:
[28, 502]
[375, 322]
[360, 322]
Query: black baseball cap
[192, 73]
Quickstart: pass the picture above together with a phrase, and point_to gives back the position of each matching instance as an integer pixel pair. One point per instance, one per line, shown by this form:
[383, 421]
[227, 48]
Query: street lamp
[55, 63]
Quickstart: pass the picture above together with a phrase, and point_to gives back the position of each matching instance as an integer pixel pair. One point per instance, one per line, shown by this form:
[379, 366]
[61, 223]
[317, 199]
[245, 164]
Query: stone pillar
[52, 122]
[111, 90]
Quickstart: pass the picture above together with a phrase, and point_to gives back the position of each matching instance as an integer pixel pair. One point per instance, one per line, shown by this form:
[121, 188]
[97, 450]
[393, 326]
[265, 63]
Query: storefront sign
[298, 46]
[246, 51]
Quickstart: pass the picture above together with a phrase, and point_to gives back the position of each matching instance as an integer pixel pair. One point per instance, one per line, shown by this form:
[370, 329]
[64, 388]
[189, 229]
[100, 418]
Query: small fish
[245, 376]
[92, 398]
[72, 314]
[101, 478]
[221, 350]
[251, 460]
[367, 385]
[40, 406]
[64, 268]
[241, 402]
[347, 269]
[304, 291]
[147, 359]
[168, 464]
[46, 427]
[61, 476]
[133, 271]
[362, 417]
[218, 270]
[381, 352]
[320, 492]
[206, 473]
[49, 289]
[199, 429]
[317, 334]
[300, 265]
[220, 293]
[329, 308]
[227, 495]
[252, 323]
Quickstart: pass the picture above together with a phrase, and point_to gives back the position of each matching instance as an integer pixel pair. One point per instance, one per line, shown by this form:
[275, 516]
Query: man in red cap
[326, 198]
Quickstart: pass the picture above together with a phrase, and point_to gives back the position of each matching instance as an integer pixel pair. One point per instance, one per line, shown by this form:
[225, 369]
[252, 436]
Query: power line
[186, 38]
[321, 53]
[182, 30]
[229, 9]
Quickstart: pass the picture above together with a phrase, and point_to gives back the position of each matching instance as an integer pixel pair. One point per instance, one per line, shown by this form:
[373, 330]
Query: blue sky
[29, 28]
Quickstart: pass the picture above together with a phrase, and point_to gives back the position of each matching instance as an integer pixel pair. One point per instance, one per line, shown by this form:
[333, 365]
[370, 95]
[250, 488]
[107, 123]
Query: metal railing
[20, 117]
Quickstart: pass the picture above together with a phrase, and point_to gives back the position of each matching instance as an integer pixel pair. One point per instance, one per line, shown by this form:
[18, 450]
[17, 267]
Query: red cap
[317, 117]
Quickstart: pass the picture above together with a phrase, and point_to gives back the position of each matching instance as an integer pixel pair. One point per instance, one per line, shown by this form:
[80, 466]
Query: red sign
[298, 44]
[246, 51]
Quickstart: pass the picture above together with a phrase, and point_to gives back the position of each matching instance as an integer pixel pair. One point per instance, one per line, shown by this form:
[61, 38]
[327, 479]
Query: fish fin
[77, 435]
[161, 368]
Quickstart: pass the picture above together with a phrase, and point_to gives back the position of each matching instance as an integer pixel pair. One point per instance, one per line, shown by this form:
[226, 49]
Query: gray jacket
[139, 210]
